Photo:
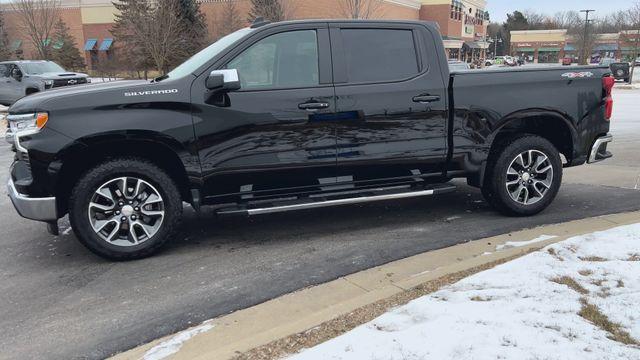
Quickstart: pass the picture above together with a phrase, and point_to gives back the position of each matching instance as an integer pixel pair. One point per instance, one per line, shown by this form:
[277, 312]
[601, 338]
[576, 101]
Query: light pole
[586, 33]
[495, 42]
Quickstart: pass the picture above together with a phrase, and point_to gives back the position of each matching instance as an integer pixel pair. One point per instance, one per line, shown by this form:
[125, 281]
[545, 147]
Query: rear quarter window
[379, 55]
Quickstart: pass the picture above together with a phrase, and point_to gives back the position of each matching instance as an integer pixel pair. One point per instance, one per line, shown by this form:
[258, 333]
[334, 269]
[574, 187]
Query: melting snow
[512, 244]
[173, 345]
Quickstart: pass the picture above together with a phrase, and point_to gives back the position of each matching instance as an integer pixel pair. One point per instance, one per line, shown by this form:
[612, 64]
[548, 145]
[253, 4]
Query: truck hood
[60, 75]
[72, 95]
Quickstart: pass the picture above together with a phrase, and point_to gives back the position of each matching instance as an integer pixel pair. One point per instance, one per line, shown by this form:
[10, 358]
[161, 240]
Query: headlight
[48, 82]
[27, 122]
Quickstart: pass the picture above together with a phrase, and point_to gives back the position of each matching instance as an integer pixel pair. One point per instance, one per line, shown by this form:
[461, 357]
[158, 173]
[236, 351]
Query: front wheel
[125, 209]
[523, 175]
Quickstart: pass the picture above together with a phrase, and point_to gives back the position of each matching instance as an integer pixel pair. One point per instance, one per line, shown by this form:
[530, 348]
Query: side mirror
[227, 80]
[16, 74]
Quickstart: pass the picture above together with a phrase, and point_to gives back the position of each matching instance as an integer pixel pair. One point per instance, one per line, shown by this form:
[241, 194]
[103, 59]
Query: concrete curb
[305, 309]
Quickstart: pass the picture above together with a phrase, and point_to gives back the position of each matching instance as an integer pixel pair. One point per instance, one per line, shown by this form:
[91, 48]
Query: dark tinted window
[379, 54]
[283, 60]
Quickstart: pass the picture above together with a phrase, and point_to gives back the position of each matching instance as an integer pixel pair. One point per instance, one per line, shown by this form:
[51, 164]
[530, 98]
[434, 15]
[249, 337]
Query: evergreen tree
[195, 24]
[5, 52]
[271, 10]
[131, 48]
[65, 52]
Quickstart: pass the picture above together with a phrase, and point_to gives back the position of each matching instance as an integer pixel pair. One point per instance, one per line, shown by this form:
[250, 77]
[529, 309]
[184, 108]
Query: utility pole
[586, 34]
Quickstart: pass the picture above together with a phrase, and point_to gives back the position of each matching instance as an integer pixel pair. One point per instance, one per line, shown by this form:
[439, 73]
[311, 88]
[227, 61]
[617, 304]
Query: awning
[549, 49]
[525, 49]
[606, 47]
[58, 45]
[106, 44]
[90, 44]
[569, 48]
[472, 45]
[16, 45]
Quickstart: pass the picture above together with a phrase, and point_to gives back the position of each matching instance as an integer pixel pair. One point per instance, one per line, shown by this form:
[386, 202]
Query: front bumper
[599, 149]
[41, 209]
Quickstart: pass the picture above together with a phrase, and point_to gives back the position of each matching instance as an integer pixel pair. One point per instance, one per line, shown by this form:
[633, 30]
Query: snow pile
[518, 310]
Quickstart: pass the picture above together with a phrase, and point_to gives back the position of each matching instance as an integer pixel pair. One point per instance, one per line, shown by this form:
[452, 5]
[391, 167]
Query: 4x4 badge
[573, 75]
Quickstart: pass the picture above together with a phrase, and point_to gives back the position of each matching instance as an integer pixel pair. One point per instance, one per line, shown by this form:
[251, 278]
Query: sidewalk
[314, 315]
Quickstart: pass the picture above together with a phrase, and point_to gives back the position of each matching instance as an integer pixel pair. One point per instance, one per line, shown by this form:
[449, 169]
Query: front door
[392, 103]
[273, 135]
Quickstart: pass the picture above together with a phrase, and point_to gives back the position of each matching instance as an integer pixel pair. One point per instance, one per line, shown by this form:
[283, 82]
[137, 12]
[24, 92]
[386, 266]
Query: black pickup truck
[298, 115]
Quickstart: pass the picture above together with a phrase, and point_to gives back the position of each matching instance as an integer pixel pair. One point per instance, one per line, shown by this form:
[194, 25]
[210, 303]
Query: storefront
[539, 46]
[548, 55]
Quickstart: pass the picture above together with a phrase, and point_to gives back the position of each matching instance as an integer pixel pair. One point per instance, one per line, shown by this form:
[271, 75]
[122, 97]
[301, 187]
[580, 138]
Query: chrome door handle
[313, 106]
[426, 98]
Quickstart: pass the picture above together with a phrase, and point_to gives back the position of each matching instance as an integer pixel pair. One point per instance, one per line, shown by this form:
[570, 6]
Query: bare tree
[229, 19]
[37, 19]
[360, 9]
[633, 36]
[271, 10]
[566, 19]
[584, 39]
[153, 32]
[5, 53]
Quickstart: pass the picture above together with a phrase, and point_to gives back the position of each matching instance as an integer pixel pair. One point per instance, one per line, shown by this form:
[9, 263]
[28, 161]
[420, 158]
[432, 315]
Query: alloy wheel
[126, 211]
[529, 177]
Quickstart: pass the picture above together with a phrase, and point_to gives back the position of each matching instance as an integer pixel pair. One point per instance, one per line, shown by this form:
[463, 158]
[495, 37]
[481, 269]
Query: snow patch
[515, 310]
[512, 244]
[174, 344]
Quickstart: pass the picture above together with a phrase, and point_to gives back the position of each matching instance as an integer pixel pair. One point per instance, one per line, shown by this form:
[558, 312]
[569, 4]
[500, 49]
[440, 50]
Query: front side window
[379, 54]
[284, 60]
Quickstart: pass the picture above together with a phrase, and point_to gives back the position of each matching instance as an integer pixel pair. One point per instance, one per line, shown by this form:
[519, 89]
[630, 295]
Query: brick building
[550, 46]
[463, 23]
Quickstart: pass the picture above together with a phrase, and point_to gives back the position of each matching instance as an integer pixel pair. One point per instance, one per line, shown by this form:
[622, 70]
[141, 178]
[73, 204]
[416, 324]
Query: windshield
[36, 68]
[206, 54]
[458, 67]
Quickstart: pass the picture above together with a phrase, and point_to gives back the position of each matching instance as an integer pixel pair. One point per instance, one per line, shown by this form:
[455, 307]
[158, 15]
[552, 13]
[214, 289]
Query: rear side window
[379, 54]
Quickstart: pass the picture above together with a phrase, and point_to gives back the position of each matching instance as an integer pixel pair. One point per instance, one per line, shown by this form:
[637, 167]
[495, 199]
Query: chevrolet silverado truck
[25, 77]
[297, 115]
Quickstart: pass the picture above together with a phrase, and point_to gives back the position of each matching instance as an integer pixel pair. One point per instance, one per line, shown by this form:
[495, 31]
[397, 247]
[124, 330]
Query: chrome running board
[336, 202]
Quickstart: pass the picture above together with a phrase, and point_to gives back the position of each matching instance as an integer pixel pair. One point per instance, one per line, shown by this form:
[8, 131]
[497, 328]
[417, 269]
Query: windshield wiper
[160, 78]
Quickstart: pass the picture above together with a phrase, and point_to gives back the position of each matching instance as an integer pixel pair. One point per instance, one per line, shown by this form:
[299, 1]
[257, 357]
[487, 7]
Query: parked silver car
[24, 77]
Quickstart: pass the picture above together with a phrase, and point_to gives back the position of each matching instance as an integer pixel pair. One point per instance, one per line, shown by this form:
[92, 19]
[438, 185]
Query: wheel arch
[86, 153]
[552, 125]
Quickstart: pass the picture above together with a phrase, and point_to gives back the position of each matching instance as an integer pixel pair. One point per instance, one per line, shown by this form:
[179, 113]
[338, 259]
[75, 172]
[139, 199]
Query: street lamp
[586, 34]
[495, 42]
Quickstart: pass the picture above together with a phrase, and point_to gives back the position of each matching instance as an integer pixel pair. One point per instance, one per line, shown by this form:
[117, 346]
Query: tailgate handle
[426, 98]
[313, 106]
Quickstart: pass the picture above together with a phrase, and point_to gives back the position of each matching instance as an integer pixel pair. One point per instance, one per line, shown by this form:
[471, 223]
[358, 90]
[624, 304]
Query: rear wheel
[125, 209]
[523, 175]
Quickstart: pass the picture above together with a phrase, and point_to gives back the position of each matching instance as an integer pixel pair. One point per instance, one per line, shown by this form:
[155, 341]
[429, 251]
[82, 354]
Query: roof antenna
[259, 21]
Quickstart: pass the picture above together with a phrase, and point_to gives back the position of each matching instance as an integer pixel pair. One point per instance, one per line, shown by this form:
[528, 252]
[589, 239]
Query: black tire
[85, 190]
[502, 158]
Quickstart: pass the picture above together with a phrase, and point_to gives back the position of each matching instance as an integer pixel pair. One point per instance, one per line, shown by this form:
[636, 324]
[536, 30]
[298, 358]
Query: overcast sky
[498, 9]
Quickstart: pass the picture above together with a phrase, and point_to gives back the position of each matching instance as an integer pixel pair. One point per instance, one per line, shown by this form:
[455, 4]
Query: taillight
[607, 87]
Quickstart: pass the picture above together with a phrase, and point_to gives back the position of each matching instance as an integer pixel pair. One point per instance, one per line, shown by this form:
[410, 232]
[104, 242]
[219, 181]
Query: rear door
[391, 100]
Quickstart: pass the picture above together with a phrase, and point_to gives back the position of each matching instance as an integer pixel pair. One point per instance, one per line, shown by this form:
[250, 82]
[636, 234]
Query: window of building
[379, 54]
[284, 60]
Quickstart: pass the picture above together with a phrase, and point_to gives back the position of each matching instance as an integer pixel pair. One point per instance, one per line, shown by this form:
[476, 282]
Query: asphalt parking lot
[57, 300]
